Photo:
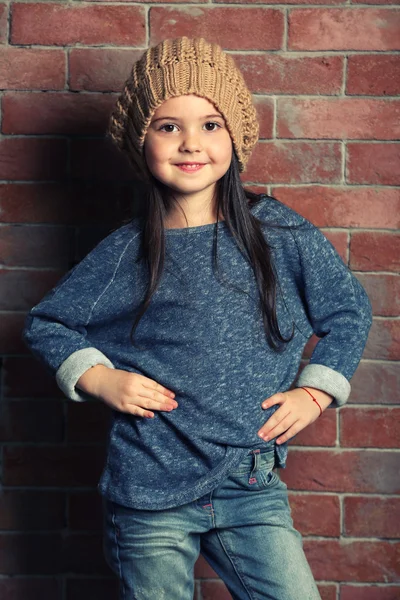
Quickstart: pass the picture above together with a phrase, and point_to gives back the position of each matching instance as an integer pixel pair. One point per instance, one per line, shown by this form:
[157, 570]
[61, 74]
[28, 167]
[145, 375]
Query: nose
[191, 142]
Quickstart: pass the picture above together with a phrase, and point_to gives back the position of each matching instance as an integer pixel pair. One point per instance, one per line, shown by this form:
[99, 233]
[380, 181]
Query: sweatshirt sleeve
[338, 310]
[55, 330]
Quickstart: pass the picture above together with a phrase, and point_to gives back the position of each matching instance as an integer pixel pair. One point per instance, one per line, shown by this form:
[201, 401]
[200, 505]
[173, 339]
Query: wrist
[90, 380]
[319, 397]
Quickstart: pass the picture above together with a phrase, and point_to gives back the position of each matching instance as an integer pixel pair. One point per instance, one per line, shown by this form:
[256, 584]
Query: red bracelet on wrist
[314, 399]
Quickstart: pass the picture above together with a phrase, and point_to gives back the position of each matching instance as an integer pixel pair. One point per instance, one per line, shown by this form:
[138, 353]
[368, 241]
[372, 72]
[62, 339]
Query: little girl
[190, 321]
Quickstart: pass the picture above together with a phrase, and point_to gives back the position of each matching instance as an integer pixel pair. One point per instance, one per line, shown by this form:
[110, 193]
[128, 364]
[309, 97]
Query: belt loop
[256, 465]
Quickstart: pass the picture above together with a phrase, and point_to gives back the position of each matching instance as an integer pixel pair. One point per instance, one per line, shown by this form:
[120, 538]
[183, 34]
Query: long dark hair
[234, 203]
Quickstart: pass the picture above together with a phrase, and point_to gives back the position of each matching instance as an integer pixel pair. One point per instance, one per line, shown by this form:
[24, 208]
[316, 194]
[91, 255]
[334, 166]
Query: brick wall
[325, 80]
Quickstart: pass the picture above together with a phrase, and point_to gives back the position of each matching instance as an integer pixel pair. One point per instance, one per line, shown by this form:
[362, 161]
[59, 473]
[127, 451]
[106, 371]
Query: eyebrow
[178, 119]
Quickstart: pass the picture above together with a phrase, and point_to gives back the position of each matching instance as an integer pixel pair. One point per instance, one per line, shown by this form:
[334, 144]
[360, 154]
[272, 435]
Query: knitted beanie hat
[177, 67]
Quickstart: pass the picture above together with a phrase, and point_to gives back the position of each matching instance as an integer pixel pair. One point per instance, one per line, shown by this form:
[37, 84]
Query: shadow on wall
[71, 193]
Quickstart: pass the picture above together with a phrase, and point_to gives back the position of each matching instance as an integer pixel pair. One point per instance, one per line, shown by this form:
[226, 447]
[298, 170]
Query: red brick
[34, 69]
[383, 291]
[10, 333]
[320, 433]
[265, 115]
[33, 554]
[87, 422]
[343, 118]
[20, 289]
[372, 1]
[75, 204]
[38, 203]
[375, 251]
[295, 162]
[363, 561]
[99, 160]
[31, 510]
[3, 22]
[327, 591]
[373, 163]
[344, 206]
[375, 383]
[28, 421]
[26, 377]
[372, 517]
[384, 340]
[31, 589]
[370, 592]
[24, 159]
[162, 1]
[373, 74]
[52, 465]
[369, 427]
[266, 26]
[84, 589]
[258, 189]
[100, 70]
[286, 74]
[58, 112]
[316, 514]
[60, 25]
[213, 590]
[342, 471]
[37, 246]
[343, 29]
[85, 511]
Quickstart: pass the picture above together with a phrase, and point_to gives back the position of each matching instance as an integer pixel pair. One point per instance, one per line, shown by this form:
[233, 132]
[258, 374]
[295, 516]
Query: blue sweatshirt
[205, 341]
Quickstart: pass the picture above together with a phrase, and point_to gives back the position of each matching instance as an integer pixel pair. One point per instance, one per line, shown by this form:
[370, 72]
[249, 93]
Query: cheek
[226, 148]
[156, 154]
[226, 154]
[151, 158]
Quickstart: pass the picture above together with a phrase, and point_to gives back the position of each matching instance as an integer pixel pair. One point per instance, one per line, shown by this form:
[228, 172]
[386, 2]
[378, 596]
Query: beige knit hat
[177, 67]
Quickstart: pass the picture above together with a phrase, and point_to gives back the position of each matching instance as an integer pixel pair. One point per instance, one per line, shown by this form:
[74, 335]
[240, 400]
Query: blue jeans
[243, 528]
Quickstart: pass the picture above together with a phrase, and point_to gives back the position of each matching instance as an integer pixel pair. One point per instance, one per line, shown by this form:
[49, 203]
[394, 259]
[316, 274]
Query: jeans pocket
[265, 474]
[256, 470]
[268, 478]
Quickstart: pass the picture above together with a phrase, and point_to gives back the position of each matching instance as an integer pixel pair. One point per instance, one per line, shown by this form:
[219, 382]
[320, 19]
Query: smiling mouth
[190, 167]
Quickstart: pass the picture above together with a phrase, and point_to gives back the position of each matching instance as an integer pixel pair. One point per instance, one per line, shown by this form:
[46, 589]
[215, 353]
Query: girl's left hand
[297, 410]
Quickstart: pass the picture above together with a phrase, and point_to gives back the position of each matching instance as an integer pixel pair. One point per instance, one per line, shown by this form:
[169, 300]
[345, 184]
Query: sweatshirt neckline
[221, 224]
[195, 229]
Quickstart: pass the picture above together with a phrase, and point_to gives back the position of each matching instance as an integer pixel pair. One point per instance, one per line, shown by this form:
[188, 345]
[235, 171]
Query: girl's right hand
[127, 392]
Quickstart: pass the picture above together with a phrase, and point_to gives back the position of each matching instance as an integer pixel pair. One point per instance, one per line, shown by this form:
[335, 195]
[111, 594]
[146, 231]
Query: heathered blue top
[203, 340]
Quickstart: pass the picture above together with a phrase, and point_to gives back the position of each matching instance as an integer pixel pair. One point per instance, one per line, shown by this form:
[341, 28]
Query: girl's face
[188, 129]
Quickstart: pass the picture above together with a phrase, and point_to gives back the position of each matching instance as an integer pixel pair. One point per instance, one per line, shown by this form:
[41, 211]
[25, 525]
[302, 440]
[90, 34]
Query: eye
[213, 123]
[167, 125]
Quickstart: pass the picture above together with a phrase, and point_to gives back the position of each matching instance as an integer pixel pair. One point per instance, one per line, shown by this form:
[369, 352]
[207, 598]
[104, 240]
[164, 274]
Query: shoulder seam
[112, 277]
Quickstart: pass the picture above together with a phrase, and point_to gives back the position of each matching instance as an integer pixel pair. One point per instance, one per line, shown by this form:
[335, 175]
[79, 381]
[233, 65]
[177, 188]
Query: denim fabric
[202, 337]
[243, 528]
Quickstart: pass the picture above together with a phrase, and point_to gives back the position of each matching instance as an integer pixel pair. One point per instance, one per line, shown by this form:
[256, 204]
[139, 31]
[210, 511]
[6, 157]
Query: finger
[153, 403]
[156, 399]
[154, 385]
[274, 421]
[267, 432]
[137, 411]
[289, 433]
[278, 398]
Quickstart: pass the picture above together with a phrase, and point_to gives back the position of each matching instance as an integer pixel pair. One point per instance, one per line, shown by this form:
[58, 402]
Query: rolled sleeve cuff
[329, 381]
[74, 366]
